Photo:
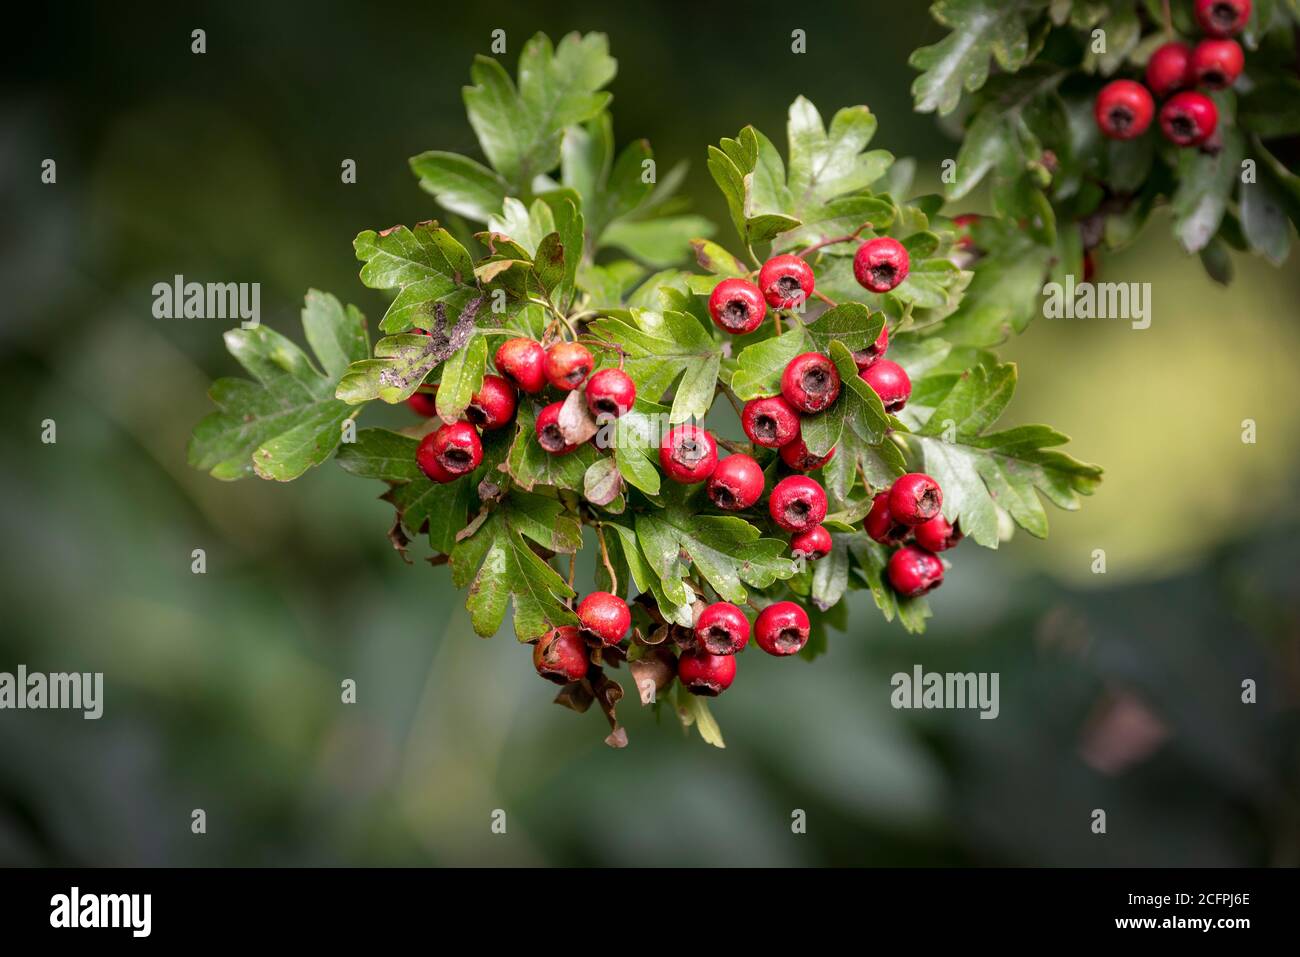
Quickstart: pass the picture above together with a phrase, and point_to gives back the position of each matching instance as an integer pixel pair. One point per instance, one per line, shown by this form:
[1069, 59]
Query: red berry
[1217, 63]
[880, 524]
[704, 674]
[567, 365]
[782, 629]
[722, 629]
[1123, 109]
[937, 535]
[866, 358]
[549, 436]
[561, 655]
[605, 616]
[523, 362]
[610, 392]
[914, 498]
[1089, 266]
[737, 483]
[450, 450]
[423, 403]
[813, 544]
[796, 455]
[890, 382]
[786, 281]
[688, 454]
[1169, 69]
[1189, 118]
[880, 264]
[1222, 18]
[964, 222]
[914, 571]
[797, 503]
[810, 382]
[737, 306]
[770, 422]
[493, 405]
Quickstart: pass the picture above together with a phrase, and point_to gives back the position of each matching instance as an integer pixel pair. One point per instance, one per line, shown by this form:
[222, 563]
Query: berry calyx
[866, 358]
[796, 455]
[722, 629]
[549, 436]
[880, 524]
[704, 674]
[770, 422]
[561, 655]
[523, 362]
[567, 365]
[1217, 63]
[1169, 69]
[782, 629]
[736, 306]
[493, 405]
[880, 264]
[813, 544]
[913, 571]
[452, 450]
[1123, 109]
[797, 503]
[610, 392]
[810, 382]
[914, 498]
[888, 380]
[736, 483]
[688, 454]
[786, 282]
[604, 616]
[1189, 118]
[1222, 18]
[423, 403]
[937, 535]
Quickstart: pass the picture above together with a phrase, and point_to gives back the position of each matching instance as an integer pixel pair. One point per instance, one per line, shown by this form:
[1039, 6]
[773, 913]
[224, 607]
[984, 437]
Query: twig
[825, 298]
[604, 557]
[573, 568]
[1169, 20]
[838, 239]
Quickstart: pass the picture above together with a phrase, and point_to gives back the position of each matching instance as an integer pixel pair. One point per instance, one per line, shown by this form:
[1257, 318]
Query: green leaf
[759, 366]
[694, 710]
[858, 407]
[1264, 220]
[658, 242]
[1205, 184]
[871, 559]
[831, 573]
[531, 465]
[981, 29]
[462, 376]
[826, 164]
[425, 264]
[717, 260]
[381, 454]
[1005, 293]
[460, 185]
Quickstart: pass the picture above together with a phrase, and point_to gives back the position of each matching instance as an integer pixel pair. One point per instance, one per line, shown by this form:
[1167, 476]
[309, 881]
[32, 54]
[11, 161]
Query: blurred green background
[1118, 691]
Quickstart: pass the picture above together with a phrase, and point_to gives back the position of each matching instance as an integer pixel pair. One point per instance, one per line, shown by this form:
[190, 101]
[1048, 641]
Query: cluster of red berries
[910, 510]
[1124, 108]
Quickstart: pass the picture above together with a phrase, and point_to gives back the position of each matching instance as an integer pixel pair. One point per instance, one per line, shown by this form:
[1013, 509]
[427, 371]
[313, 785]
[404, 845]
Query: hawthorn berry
[567, 365]
[561, 655]
[1217, 63]
[914, 498]
[880, 264]
[523, 362]
[549, 436]
[786, 282]
[604, 616]
[813, 544]
[880, 524]
[736, 483]
[913, 571]
[704, 674]
[937, 535]
[722, 629]
[451, 450]
[1222, 18]
[1169, 69]
[782, 629]
[770, 422]
[493, 405]
[797, 503]
[796, 455]
[737, 306]
[888, 380]
[688, 454]
[423, 403]
[1123, 109]
[866, 358]
[1189, 118]
[964, 222]
[610, 392]
[810, 382]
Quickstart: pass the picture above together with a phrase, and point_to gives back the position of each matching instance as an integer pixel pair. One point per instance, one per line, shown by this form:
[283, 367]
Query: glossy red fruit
[737, 483]
[796, 455]
[813, 544]
[523, 362]
[549, 436]
[1189, 118]
[688, 454]
[937, 535]
[561, 655]
[1123, 109]
[605, 616]
[1169, 69]
[786, 282]
[450, 450]
[737, 306]
[880, 524]
[493, 405]
[1217, 63]
[797, 503]
[782, 629]
[880, 264]
[913, 571]
[771, 422]
[423, 403]
[914, 498]
[964, 222]
[567, 365]
[610, 392]
[810, 382]
[866, 358]
[704, 674]
[1222, 18]
[722, 629]
[890, 382]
